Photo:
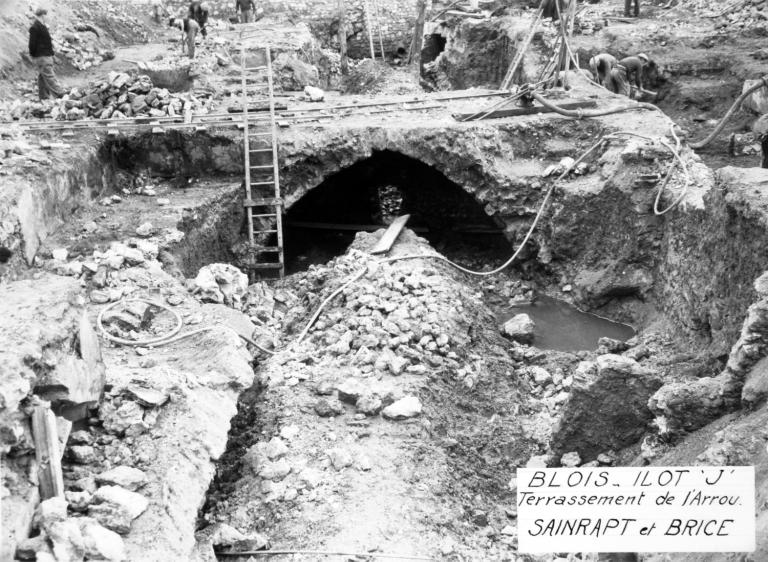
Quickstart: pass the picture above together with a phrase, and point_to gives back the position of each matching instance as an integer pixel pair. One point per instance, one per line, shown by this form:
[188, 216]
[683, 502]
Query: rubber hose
[580, 113]
[701, 144]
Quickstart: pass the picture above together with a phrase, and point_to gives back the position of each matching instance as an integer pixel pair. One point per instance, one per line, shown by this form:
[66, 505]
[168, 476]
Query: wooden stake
[367, 11]
[418, 35]
[343, 38]
[48, 453]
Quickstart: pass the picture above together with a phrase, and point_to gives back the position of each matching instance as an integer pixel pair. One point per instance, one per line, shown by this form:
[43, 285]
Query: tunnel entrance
[370, 194]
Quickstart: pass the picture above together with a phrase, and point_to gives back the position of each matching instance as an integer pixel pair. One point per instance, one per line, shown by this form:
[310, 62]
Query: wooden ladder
[265, 214]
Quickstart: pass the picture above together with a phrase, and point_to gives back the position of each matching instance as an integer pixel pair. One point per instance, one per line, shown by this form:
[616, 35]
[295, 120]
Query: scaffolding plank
[387, 240]
[531, 110]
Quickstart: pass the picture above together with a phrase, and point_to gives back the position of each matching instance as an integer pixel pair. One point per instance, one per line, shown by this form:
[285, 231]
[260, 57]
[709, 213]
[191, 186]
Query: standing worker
[244, 7]
[189, 29]
[601, 66]
[41, 51]
[158, 11]
[623, 71]
[198, 11]
[628, 6]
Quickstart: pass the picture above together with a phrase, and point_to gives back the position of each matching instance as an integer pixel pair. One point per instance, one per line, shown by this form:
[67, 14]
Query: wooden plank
[390, 235]
[344, 63]
[47, 452]
[257, 106]
[414, 57]
[344, 226]
[532, 110]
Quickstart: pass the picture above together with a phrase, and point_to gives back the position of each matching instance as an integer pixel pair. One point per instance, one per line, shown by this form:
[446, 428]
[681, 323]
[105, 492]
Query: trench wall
[34, 202]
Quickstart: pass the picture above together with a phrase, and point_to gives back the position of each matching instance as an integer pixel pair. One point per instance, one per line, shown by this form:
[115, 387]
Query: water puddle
[563, 327]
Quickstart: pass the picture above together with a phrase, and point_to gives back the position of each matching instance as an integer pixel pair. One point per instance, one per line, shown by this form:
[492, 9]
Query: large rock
[405, 408]
[116, 508]
[294, 75]
[520, 328]
[607, 409]
[221, 283]
[124, 476]
[757, 101]
[755, 389]
[100, 543]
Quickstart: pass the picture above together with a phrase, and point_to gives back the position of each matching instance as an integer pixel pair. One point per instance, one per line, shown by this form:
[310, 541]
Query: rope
[701, 144]
[171, 337]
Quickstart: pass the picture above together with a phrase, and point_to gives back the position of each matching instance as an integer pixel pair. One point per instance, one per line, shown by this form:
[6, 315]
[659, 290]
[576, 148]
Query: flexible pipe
[168, 338]
[701, 144]
[581, 114]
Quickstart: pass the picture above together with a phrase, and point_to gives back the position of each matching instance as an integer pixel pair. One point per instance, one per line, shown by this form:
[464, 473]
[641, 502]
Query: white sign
[649, 509]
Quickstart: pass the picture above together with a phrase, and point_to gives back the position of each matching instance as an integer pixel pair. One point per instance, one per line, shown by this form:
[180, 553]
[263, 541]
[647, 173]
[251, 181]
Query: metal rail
[221, 118]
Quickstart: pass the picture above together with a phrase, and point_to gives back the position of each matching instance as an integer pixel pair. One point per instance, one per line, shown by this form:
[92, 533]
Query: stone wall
[395, 19]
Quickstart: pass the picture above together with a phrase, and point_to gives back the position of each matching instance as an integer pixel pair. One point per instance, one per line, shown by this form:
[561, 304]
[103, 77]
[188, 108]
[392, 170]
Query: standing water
[563, 327]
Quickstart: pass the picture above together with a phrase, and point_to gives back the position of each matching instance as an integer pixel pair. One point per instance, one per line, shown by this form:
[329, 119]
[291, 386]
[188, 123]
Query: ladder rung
[275, 265]
[264, 215]
[266, 231]
[262, 167]
[261, 150]
[262, 182]
[262, 202]
[254, 68]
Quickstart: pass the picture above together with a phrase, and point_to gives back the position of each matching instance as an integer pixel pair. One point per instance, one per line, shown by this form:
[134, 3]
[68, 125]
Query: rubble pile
[79, 47]
[391, 322]
[119, 96]
[748, 14]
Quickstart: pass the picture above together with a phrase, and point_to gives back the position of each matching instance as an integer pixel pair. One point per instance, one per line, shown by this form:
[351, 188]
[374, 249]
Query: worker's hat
[643, 56]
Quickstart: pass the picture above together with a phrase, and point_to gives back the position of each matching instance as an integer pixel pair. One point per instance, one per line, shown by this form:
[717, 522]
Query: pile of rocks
[102, 269]
[398, 322]
[746, 14]
[79, 48]
[119, 96]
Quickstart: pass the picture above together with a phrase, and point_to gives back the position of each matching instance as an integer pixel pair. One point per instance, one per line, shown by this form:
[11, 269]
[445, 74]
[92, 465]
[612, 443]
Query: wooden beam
[344, 226]
[418, 36]
[344, 63]
[390, 235]
[532, 110]
[257, 106]
[48, 452]
[369, 27]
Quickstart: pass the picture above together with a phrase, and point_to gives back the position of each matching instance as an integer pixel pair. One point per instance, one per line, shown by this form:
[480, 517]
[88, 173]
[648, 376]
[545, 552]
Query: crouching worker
[198, 11]
[601, 66]
[623, 73]
[189, 29]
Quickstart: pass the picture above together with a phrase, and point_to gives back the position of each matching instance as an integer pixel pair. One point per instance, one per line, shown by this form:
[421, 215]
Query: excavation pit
[487, 404]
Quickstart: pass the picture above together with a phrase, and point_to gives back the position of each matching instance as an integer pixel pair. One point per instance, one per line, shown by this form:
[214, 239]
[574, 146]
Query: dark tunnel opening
[370, 194]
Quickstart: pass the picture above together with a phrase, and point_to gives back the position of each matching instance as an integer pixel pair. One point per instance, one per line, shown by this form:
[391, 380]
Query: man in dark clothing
[628, 6]
[244, 7]
[198, 11]
[41, 51]
[624, 70]
[189, 29]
